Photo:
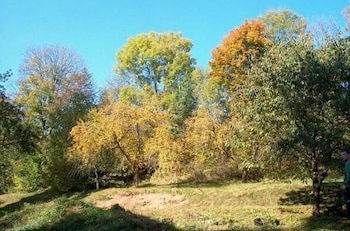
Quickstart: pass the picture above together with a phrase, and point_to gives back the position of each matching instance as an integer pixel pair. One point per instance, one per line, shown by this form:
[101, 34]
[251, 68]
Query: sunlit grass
[210, 206]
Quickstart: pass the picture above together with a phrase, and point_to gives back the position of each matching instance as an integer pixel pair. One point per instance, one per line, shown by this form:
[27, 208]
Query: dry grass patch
[142, 201]
[10, 198]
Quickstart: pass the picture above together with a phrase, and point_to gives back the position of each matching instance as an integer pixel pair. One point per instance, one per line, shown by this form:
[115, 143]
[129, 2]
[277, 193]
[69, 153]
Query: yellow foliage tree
[199, 152]
[208, 140]
[172, 155]
[122, 127]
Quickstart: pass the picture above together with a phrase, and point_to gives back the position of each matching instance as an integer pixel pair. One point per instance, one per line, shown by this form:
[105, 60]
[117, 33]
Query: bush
[27, 173]
[6, 173]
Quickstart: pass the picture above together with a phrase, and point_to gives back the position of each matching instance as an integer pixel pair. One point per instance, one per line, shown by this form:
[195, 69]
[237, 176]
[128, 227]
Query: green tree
[181, 106]
[16, 137]
[300, 96]
[14, 132]
[283, 26]
[160, 60]
[56, 93]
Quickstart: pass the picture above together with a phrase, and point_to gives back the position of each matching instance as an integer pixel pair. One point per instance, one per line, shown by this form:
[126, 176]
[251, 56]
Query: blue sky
[98, 29]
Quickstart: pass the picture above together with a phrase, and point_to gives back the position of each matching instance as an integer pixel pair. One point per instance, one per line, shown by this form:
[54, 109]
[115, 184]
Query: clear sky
[98, 29]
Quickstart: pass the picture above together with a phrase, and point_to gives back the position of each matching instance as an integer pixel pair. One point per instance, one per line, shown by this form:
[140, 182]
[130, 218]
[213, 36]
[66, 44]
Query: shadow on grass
[326, 222]
[332, 198]
[72, 214]
[68, 212]
[189, 184]
[44, 196]
[87, 217]
[333, 214]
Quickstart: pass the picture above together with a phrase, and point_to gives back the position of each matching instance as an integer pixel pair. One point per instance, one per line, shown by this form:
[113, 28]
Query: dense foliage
[274, 103]
[299, 93]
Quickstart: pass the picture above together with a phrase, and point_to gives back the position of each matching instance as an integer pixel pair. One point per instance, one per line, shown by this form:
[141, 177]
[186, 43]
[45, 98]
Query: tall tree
[55, 78]
[300, 95]
[283, 26]
[56, 92]
[159, 60]
[233, 58]
[231, 67]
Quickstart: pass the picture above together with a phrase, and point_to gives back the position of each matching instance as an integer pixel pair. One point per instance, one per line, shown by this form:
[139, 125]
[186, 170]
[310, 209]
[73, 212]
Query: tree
[56, 93]
[173, 154]
[233, 58]
[14, 132]
[55, 76]
[123, 128]
[211, 96]
[209, 142]
[160, 60]
[84, 153]
[283, 26]
[4, 77]
[182, 104]
[231, 67]
[163, 62]
[202, 151]
[16, 136]
[300, 94]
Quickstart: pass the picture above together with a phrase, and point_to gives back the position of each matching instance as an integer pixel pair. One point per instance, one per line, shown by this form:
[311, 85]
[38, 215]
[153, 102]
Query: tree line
[273, 103]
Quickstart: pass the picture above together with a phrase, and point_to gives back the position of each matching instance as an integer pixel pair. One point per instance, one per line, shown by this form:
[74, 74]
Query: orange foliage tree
[232, 59]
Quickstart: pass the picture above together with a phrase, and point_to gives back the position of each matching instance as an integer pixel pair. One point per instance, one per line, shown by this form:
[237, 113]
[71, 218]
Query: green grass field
[209, 206]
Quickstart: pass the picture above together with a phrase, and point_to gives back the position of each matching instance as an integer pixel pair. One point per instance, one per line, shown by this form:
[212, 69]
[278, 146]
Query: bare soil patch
[143, 201]
[75, 209]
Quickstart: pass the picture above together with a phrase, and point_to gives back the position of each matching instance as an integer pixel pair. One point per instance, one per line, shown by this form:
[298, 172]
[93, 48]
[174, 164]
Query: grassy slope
[219, 206]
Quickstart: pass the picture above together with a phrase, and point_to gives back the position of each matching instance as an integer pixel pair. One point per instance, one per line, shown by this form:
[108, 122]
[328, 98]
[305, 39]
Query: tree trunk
[155, 87]
[97, 179]
[245, 175]
[316, 186]
[136, 177]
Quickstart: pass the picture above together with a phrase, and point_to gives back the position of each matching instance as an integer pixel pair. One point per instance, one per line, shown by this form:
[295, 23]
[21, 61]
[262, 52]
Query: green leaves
[16, 136]
[298, 88]
[299, 102]
[55, 94]
[14, 132]
[159, 60]
[283, 26]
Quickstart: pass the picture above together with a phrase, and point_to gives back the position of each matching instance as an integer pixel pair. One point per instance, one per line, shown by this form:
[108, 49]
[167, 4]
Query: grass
[209, 206]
